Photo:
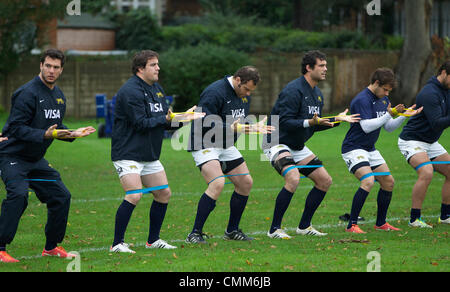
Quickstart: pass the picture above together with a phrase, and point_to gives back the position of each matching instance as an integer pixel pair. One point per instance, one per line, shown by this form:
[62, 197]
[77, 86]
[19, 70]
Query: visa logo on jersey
[238, 113]
[313, 110]
[52, 114]
[380, 114]
[156, 107]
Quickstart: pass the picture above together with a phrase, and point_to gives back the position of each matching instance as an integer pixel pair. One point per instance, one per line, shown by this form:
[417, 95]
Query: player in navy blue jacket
[358, 147]
[140, 118]
[226, 103]
[418, 142]
[299, 110]
[37, 111]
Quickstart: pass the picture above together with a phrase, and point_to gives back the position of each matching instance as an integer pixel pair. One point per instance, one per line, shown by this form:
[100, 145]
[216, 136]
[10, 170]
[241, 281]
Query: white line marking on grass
[142, 244]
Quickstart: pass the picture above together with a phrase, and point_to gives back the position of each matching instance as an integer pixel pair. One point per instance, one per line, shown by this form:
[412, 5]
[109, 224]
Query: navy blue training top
[139, 121]
[34, 108]
[296, 103]
[222, 106]
[429, 125]
[369, 107]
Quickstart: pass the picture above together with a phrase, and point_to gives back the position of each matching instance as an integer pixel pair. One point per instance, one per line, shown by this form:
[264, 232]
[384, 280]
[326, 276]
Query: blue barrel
[100, 103]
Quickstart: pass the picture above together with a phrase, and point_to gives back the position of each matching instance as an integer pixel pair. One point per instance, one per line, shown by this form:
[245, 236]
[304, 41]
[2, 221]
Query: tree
[138, 30]
[20, 22]
[416, 55]
[271, 12]
[187, 71]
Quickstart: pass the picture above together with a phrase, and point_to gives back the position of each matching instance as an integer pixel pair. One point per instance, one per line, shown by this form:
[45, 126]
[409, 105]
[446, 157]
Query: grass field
[87, 171]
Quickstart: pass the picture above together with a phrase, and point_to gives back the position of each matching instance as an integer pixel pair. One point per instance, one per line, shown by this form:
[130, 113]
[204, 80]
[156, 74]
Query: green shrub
[185, 35]
[235, 32]
[138, 30]
[187, 71]
[297, 40]
[250, 38]
[351, 40]
[394, 42]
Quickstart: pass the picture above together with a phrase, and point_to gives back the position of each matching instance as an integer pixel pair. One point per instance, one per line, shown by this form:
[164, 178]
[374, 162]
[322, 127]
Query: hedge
[187, 71]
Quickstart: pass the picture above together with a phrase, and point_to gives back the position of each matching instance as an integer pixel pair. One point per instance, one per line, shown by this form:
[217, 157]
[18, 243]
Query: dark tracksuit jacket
[139, 121]
[222, 107]
[429, 125]
[296, 103]
[34, 108]
[368, 106]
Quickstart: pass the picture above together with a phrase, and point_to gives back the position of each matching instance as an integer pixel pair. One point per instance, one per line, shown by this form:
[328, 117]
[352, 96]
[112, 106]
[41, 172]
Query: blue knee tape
[374, 174]
[147, 190]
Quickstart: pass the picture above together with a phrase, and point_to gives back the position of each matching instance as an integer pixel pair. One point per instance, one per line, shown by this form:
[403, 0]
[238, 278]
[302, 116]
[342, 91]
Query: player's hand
[317, 121]
[52, 133]
[3, 138]
[343, 117]
[400, 108]
[412, 111]
[82, 132]
[257, 128]
[186, 116]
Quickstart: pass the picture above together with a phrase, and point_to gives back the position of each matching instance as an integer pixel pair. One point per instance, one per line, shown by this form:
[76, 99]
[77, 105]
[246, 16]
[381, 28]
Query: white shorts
[298, 155]
[142, 168]
[205, 155]
[411, 147]
[358, 156]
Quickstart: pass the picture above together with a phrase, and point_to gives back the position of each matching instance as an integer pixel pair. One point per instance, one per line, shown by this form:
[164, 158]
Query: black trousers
[18, 176]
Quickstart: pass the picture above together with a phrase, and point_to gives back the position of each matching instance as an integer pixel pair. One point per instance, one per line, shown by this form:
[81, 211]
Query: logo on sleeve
[159, 94]
[60, 101]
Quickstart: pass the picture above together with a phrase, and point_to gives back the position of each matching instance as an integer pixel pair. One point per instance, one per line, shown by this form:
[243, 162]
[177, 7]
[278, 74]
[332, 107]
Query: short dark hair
[384, 76]
[247, 73]
[445, 66]
[54, 54]
[140, 59]
[310, 58]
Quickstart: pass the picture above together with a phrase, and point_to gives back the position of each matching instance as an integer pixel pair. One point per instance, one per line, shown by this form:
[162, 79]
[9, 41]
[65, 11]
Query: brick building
[86, 33]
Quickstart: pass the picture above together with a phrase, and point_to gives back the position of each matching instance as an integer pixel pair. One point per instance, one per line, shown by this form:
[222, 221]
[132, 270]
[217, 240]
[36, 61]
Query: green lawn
[87, 171]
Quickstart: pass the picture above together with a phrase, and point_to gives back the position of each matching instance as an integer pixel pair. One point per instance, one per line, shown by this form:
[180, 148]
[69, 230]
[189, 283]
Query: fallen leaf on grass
[350, 240]
[289, 268]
